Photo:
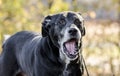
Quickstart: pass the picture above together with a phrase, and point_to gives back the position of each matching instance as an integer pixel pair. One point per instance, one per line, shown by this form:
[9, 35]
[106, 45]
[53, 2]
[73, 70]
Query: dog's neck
[74, 68]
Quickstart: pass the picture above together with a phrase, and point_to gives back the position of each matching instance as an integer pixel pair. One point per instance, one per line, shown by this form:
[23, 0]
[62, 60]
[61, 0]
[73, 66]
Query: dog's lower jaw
[69, 65]
[65, 58]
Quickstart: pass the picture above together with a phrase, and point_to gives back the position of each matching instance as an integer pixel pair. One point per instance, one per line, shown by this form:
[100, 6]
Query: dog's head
[65, 30]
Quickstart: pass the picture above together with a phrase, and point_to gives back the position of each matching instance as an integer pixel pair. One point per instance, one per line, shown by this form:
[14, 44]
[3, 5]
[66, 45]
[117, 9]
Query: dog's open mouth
[71, 48]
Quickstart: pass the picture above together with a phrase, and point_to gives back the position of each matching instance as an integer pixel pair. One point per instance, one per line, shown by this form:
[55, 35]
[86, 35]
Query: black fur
[28, 54]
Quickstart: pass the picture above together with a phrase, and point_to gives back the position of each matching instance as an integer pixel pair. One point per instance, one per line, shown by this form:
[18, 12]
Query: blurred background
[101, 45]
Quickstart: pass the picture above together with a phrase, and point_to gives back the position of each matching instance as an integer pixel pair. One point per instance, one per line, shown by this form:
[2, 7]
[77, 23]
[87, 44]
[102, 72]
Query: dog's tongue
[70, 46]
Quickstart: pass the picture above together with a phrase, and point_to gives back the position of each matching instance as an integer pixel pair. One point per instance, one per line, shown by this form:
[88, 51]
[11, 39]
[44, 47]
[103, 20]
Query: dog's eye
[77, 22]
[62, 22]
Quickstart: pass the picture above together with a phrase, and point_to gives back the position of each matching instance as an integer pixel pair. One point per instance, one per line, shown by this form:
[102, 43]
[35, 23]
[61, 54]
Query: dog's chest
[66, 73]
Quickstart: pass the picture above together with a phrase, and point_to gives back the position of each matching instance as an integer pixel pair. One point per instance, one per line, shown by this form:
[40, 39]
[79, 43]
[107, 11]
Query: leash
[85, 65]
[83, 60]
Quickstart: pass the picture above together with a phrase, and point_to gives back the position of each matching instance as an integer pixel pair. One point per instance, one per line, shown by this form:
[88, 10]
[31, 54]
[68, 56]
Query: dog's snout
[72, 31]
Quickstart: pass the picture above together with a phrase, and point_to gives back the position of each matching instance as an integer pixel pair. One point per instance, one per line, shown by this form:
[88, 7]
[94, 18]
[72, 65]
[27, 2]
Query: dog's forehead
[72, 15]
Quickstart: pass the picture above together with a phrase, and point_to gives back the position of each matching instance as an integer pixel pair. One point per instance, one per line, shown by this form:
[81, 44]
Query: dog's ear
[46, 25]
[83, 31]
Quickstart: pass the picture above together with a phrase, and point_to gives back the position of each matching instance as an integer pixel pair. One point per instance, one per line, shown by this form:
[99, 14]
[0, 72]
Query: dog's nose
[72, 31]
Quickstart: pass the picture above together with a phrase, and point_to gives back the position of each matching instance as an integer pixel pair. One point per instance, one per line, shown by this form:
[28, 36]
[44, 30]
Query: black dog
[57, 53]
